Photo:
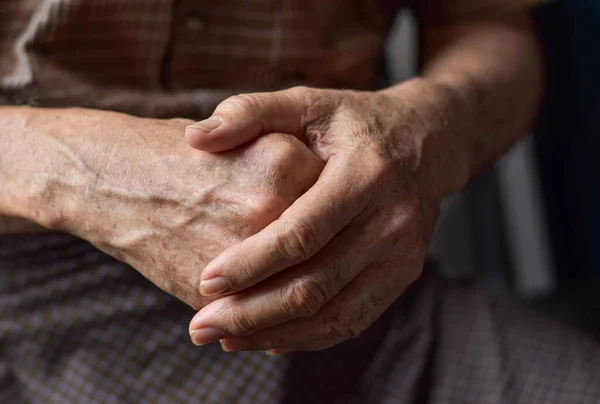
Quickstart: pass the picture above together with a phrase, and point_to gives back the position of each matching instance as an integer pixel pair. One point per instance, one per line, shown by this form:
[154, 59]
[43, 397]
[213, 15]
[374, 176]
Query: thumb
[243, 117]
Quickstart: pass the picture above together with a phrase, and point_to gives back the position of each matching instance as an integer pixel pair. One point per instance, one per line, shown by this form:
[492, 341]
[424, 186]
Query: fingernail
[214, 286]
[205, 336]
[277, 352]
[235, 344]
[206, 125]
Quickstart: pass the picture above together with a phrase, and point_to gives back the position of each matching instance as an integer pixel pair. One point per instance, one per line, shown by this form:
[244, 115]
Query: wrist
[443, 117]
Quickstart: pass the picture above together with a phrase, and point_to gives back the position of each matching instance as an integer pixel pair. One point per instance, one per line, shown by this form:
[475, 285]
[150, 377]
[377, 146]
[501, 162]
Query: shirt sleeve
[449, 10]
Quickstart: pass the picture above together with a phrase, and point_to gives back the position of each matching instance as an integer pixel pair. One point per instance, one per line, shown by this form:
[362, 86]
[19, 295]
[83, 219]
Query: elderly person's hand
[330, 265]
[339, 256]
[134, 189]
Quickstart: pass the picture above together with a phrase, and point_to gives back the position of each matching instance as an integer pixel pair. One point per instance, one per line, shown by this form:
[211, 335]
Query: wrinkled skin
[331, 264]
[133, 188]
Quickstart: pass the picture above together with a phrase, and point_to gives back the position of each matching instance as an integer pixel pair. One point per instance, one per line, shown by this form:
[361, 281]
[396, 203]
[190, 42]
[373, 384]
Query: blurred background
[530, 226]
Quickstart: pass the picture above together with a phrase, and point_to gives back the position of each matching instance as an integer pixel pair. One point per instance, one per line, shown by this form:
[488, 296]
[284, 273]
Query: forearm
[28, 154]
[489, 75]
[52, 157]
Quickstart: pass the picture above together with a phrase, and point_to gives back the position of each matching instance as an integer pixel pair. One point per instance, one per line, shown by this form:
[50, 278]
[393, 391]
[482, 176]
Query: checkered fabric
[77, 326]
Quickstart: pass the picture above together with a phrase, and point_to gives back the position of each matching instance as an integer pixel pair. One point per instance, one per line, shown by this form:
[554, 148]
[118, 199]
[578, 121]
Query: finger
[341, 193]
[243, 117]
[346, 316]
[300, 292]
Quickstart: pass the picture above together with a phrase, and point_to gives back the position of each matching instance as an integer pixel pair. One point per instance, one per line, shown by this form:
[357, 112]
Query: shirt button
[195, 24]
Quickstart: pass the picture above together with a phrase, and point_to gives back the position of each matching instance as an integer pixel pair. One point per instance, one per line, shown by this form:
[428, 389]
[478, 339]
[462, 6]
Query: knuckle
[302, 93]
[262, 208]
[297, 241]
[306, 297]
[284, 152]
[239, 324]
[275, 342]
[339, 272]
[244, 103]
[346, 324]
[299, 89]
[318, 107]
[376, 298]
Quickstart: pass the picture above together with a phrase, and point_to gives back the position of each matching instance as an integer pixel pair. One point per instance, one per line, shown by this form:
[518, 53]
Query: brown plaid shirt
[76, 326]
[179, 57]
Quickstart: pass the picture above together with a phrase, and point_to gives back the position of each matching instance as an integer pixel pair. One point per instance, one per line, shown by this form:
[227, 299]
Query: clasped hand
[339, 256]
